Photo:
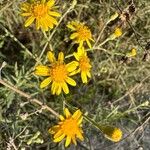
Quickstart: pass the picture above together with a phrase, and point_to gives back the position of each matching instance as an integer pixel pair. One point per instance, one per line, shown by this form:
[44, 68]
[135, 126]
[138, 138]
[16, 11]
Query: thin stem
[101, 44]
[17, 41]
[97, 40]
[30, 99]
[137, 86]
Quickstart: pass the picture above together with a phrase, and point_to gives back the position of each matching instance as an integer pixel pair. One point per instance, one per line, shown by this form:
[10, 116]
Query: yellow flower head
[112, 133]
[81, 33]
[58, 73]
[118, 32]
[69, 127]
[83, 63]
[42, 12]
[133, 53]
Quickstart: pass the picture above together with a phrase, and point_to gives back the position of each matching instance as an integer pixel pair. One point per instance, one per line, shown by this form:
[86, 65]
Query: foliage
[117, 94]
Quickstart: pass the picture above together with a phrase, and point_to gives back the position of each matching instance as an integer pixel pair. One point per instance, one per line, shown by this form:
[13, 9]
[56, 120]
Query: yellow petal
[77, 114]
[25, 6]
[77, 57]
[92, 39]
[29, 21]
[61, 117]
[70, 26]
[51, 57]
[88, 43]
[37, 24]
[58, 134]
[45, 82]
[81, 51]
[80, 121]
[79, 135]
[43, 24]
[70, 81]
[88, 74]
[65, 88]
[67, 113]
[54, 87]
[74, 140]
[25, 14]
[53, 20]
[83, 77]
[42, 70]
[72, 66]
[50, 3]
[74, 35]
[58, 89]
[49, 22]
[68, 141]
[59, 138]
[80, 44]
[61, 57]
[54, 129]
[74, 72]
[53, 13]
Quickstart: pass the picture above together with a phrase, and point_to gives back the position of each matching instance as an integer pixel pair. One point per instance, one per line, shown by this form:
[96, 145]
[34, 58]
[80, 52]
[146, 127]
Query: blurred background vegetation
[118, 93]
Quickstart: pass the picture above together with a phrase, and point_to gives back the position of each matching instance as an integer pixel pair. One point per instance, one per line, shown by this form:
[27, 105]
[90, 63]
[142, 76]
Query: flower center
[70, 127]
[59, 72]
[84, 63]
[84, 33]
[39, 10]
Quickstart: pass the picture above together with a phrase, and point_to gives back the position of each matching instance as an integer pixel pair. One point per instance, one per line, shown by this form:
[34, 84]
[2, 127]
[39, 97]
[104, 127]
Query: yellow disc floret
[59, 72]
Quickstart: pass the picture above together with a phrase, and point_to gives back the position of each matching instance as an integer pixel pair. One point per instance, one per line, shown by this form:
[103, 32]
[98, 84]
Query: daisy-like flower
[69, 127]
[83, 63]
[112, 133]
[40, 11]
[81, 33]
[58, 73]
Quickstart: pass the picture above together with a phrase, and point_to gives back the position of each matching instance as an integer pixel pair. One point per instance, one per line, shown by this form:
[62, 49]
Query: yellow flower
[69, 127]
[81, 33]
[42, 12]
[112, 133]
[58, 73]
[83, 63]
[118, 32]
[132, 53]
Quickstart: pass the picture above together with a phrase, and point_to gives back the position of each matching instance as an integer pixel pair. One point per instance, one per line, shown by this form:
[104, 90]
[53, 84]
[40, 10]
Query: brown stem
[29, 98]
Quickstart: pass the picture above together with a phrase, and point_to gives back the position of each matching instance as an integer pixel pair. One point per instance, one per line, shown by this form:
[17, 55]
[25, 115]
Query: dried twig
[29, 98]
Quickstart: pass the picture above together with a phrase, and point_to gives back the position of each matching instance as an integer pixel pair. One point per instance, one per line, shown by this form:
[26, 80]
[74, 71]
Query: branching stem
[29, 98]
